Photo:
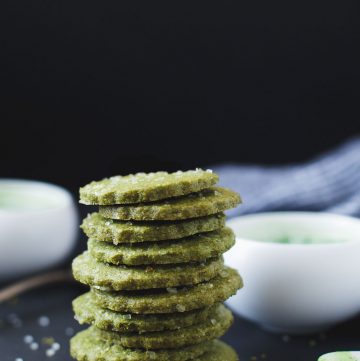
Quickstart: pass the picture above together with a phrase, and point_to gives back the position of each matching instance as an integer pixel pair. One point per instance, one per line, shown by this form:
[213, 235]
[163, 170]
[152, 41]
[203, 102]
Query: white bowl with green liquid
[301, 270]
[38, 226]
[341, 356]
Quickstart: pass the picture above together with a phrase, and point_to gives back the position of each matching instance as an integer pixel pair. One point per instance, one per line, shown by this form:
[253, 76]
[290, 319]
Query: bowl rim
[231, 222]
[64, 195]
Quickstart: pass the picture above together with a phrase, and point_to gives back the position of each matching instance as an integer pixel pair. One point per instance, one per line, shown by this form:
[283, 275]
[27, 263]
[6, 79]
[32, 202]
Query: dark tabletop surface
[52, 304]
[21, 317]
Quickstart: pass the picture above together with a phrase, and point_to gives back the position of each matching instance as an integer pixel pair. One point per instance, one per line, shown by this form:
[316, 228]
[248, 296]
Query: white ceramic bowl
[296, 288]
[38, 226]
[341, 356]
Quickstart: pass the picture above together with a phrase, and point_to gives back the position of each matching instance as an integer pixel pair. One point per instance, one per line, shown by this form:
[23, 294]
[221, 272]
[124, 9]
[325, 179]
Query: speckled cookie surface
[114, 231]
[90, 345]
[180, 299]
[93, 273]
[142, 187]
[204, 203]
[219, 351]
[196, 248]
[87, 311]
[215, 326]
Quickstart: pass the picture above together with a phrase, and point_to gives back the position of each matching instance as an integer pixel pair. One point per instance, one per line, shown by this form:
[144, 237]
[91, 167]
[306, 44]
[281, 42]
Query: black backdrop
[93, 88]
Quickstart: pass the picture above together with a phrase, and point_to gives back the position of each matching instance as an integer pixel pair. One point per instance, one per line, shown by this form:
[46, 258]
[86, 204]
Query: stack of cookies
[155, 267]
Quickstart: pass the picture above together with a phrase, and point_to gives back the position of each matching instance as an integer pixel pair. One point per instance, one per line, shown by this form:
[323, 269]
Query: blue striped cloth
[330, 182]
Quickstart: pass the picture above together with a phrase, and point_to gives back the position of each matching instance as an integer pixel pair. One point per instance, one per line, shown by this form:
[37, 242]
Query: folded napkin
[330, 182]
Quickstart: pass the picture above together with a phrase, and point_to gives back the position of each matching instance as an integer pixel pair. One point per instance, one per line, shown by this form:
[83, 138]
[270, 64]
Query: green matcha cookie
[90, 345]
[218, 351]
[196, 248]
[87, 311]
[93, 273]
[141, 187]
[171, 300]
[215, 326]
[108, 230]
[204, 203]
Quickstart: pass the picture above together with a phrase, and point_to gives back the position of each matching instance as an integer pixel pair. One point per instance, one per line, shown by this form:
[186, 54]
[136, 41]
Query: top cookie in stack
[146, 187]
[154, 264]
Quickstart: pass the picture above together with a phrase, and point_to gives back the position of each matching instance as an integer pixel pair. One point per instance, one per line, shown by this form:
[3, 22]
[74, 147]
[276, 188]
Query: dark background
[92, 88]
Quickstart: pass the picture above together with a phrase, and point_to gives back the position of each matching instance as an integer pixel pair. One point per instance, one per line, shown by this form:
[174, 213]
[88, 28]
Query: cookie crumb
[34, 346]
[56, 346]
[69, 331]
[171, 290]
[43, 321]
[180, 308]
[50, 352]
[28, 339]
[47, 341]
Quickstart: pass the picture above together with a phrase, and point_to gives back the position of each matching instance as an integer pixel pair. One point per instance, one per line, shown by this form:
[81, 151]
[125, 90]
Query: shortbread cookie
[90, 345]
[195, 248]
[209, 201]
[219, 351]
[115, 231]
[169, 300]
[142, 187]
[215, 326]
[87, 311]
[104, 276]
